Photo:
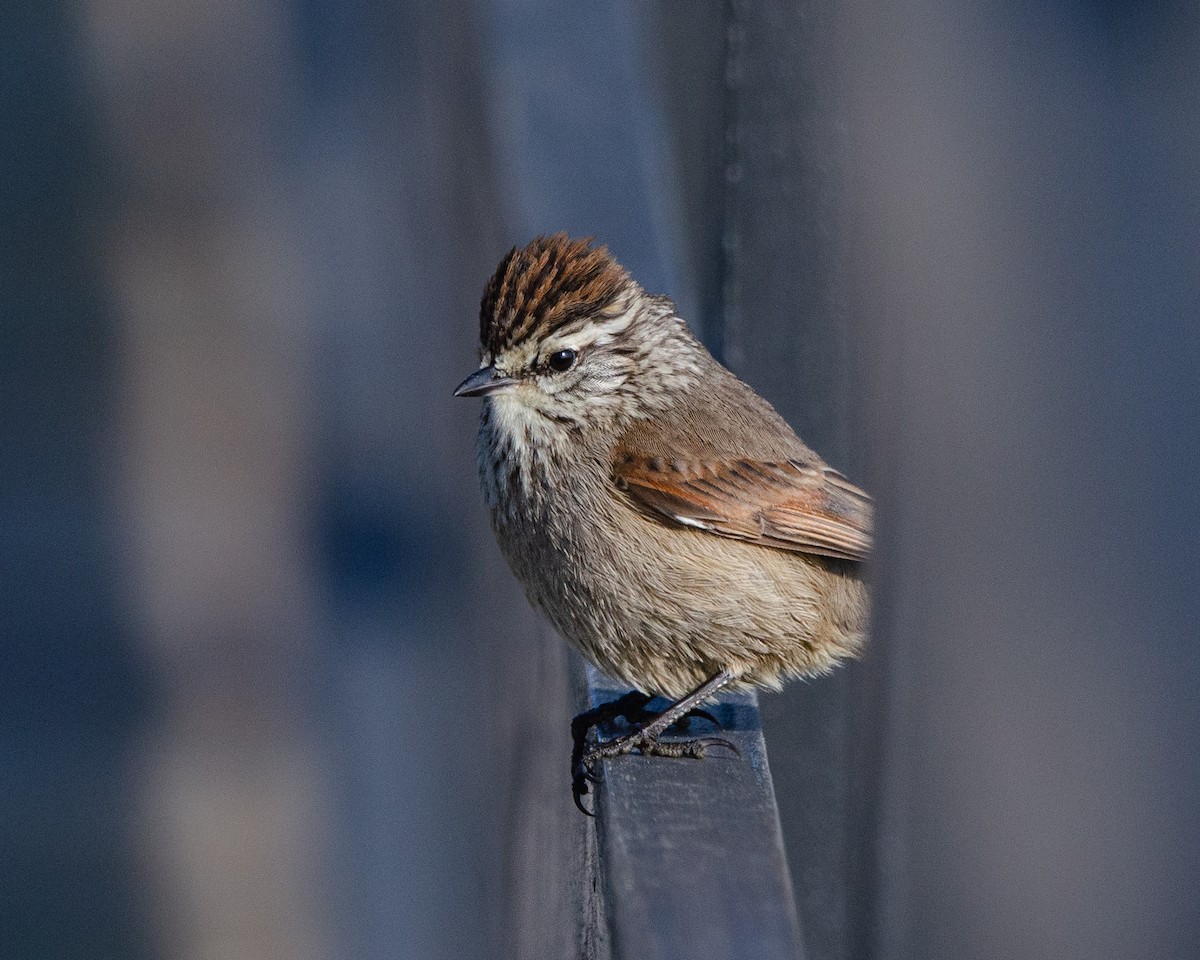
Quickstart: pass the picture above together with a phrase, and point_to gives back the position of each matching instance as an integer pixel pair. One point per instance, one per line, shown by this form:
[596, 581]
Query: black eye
[562, 361]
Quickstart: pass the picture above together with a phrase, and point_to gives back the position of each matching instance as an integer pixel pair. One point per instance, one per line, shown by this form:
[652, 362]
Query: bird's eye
[562, 361]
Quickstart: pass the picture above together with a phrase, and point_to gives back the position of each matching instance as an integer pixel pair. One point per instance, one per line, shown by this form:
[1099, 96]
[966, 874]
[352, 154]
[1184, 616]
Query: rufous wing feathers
[788, 505]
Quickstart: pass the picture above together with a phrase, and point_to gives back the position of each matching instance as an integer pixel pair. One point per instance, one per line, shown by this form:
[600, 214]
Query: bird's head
[566, 335]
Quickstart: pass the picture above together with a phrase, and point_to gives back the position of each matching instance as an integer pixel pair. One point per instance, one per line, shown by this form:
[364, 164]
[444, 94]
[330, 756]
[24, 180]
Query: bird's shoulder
[725, 462]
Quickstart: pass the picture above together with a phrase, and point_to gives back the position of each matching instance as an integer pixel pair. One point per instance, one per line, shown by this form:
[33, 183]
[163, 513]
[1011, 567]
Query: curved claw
[708, 742]
[578, 789]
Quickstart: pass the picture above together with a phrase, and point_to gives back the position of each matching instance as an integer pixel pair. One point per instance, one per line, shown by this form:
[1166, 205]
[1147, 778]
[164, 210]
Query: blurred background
[266, 687]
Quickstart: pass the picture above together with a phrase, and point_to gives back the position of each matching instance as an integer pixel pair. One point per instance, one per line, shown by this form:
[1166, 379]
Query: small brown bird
[662, 515]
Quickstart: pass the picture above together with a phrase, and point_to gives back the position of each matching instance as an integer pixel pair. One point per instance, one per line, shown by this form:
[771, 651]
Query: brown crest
[544, 285]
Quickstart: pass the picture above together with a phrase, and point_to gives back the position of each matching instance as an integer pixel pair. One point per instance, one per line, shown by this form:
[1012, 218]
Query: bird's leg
[632, 709]
[645, 740]
[683, 706]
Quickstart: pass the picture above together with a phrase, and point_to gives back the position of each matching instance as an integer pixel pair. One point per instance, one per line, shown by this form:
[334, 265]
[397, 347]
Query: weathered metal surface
[691, 860]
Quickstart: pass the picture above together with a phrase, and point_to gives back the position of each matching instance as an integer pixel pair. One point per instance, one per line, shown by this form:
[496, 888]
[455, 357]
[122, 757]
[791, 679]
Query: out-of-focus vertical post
[204, 277]
[1025, 229]
[72, 701]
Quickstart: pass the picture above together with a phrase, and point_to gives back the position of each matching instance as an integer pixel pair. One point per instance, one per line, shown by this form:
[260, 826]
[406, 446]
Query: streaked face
[567, 339]
[579, 370]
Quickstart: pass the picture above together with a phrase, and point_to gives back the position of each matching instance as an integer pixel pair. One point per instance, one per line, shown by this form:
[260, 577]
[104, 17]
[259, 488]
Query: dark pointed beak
[483, 382]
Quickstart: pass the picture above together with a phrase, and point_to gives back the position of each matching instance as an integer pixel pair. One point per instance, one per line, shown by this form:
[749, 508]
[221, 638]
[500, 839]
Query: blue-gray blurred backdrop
[266, 687]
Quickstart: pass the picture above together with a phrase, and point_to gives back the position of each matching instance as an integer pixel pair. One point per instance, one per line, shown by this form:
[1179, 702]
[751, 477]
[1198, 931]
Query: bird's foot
[647, 746]
[585, 770]
[645, 737]
[632, 709]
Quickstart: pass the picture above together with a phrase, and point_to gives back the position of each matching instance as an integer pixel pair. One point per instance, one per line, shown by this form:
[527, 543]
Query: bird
[660, 513]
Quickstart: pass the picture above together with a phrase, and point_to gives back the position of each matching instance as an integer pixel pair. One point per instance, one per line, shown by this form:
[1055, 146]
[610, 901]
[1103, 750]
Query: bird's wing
[783, 503]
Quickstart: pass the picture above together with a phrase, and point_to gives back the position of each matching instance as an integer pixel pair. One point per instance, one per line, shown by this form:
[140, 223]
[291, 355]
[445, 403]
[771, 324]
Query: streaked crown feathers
[541, 287]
